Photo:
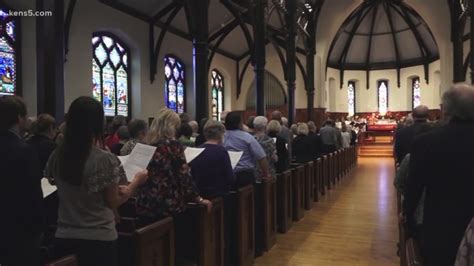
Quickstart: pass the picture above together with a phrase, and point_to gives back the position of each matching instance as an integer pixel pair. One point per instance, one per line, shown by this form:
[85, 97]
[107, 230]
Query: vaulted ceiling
[382, 34]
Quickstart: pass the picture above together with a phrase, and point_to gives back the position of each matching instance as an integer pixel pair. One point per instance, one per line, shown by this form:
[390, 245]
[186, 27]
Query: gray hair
[311, 126]
[284, 121]
[273, 126]
[260, 123]
[458, 102]
[409, 120]
[194, 125]
[214, 130]
[302, 129]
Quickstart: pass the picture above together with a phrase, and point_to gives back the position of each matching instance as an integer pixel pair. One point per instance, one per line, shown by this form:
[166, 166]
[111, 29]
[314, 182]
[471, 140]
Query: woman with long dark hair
[87, 178]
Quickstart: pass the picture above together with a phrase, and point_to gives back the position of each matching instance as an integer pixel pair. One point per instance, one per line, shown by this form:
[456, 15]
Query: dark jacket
[43, 146]
[442, 164]
[316, 144]
[302, 149]
[20, 193]
[404, 138]
[282, 152]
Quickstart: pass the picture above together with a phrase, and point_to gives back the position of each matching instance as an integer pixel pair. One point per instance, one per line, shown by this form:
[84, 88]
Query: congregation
[80, 157]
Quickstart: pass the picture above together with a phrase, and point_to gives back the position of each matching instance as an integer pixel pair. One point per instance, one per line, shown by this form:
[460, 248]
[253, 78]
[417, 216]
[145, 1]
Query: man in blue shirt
[235, 139]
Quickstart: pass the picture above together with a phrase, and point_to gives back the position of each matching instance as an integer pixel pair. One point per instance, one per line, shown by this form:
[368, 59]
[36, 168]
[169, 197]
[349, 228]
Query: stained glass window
[416, 90]
[8, 54]
[383, 96]
[351, 98]
[111, 74]
[217, 93]
[174, 84]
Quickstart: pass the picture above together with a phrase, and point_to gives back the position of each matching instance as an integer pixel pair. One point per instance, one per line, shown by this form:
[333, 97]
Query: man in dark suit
[20, 190]
[442, 165]
[404, 136]
[315, 140]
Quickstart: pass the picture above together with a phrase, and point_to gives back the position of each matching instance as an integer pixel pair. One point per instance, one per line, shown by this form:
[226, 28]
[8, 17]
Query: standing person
[21, 197]
[124, 136]
[346, 136]
[315, 139]
[43, 137]
[212, 170]
[137, 129]
[113, 137]
[404, 136]
[329, 137]
[236, 139]
[87, 179]
[302, 146]
[285, 131]
[353, 133]
[185, 133]
[441, 165]
[260, 126]
[201, 138]
[170, 186]
[273, 128]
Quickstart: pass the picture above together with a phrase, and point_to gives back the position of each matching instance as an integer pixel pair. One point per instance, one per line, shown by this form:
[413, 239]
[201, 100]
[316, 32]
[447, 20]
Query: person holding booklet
[170, 185]
[87, 179]
[211, 169]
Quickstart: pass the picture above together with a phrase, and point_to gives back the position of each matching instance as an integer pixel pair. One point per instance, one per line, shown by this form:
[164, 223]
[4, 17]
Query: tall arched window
[217, 94]
[9, 51]
[416, 92]
[351, 98]
[382, 92]
[174, 84]
[111, 73]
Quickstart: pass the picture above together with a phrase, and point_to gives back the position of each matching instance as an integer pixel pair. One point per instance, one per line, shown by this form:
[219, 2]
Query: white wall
[333, 15]
[400, 98]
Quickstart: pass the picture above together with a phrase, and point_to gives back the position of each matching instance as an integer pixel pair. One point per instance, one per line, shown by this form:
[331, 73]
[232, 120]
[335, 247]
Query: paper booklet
[47, 188]
[235, 157]
[138, 160]
[192, 153]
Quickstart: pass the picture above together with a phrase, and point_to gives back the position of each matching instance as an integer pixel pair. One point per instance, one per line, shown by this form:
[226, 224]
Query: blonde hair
[273, 126]
[164, 126]
[302, 129]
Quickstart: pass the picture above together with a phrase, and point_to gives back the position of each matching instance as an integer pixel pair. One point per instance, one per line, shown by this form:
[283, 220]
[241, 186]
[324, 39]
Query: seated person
[170, 185]
[123, 136]
[42, 140]
[137, 129]
[212, 170]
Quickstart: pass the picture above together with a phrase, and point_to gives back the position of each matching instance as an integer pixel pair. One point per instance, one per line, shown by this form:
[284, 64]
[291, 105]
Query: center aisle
[354, 224]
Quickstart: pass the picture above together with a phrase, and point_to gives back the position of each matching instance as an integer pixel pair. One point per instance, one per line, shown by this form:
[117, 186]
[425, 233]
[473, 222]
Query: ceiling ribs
[395, 41]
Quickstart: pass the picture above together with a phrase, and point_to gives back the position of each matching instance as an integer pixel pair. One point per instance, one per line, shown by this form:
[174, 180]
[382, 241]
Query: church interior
[351, 86]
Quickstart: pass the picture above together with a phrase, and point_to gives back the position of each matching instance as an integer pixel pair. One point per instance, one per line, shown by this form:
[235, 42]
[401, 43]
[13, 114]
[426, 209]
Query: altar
[380, 131]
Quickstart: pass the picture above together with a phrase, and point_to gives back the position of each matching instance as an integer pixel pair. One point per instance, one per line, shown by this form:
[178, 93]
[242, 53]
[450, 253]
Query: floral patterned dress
[169, 186]
[466, 250]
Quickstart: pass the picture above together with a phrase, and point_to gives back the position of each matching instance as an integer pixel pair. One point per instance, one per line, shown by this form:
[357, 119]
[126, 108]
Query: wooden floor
[355, 224]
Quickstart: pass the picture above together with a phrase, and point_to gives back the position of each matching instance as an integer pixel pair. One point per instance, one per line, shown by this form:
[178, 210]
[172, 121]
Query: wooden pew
[330, 170]
[412, 253]
[284, 201]
[308, 185]
[336, 166]
[203, 241]
[325, 174]
[153, 245]
[298, 191]
[64, 261]
[246, 226]
[317, 179]
[270, 213]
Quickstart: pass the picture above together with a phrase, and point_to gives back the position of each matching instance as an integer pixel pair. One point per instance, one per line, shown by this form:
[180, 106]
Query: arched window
[111, 74]
[217, 94]
[416, 91]
[351, 98]
[382, 93]
[9, 52]
[174, 84]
